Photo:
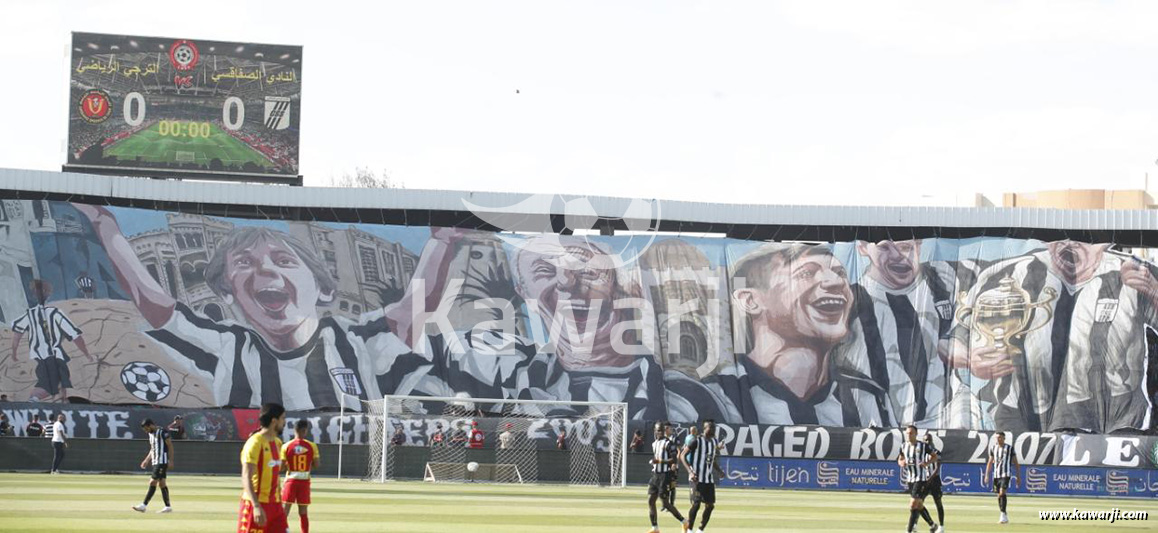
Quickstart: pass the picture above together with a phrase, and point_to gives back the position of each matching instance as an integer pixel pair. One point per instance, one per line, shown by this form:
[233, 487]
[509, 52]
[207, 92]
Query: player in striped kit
[914, 460]
[46, 328]
[283, 351]
[1003, 464]
[904, 310]
[934, 483]
[664, 467]
[699, 457]
[1084, 366]
[161, 457]
[300, 457]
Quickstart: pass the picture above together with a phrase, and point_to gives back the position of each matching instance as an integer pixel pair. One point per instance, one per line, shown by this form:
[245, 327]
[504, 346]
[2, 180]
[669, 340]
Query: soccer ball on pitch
[146, 381]
[472, 467]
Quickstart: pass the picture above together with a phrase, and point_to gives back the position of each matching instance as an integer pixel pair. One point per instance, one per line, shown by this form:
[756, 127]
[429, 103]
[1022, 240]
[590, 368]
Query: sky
[880, 102]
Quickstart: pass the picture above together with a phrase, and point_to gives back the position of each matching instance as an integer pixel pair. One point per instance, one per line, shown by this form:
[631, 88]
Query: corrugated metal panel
[608, 207]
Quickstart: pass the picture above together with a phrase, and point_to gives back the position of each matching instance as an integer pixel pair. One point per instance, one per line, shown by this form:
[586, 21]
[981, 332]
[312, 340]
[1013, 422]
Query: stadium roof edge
[508, 210]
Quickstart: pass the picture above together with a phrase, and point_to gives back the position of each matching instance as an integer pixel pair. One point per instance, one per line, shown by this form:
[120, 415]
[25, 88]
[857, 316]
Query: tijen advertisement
[159, 106]
[115, 305]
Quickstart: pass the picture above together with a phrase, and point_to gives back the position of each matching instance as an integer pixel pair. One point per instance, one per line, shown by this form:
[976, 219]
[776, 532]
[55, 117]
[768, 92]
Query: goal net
[518, 441]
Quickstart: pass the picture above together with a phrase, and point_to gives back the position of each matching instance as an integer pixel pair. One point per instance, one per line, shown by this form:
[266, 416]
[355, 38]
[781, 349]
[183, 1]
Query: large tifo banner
[133, 306]
[187, 107]
[964, 478]
[739, 441]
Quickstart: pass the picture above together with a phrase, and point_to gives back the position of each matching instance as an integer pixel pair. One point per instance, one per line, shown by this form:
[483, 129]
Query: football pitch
[153, 147]
[41, 503]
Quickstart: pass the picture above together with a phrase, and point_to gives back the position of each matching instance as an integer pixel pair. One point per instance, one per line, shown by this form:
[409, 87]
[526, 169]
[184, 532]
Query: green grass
[41, 503]
[152, 147]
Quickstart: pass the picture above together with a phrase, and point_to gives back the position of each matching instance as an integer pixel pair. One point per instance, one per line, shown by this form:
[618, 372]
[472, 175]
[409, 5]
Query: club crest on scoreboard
[95, 106]
[183, 55]
[277, 112]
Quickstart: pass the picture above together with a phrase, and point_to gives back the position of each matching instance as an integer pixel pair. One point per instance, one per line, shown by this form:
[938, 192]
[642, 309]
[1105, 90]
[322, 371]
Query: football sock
[149, 495]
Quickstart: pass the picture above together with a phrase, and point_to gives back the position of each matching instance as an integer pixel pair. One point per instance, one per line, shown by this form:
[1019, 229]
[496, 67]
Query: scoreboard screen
[188, 108]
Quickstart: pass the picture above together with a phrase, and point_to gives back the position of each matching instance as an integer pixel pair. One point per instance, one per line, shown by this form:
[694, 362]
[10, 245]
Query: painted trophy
[1004, 313]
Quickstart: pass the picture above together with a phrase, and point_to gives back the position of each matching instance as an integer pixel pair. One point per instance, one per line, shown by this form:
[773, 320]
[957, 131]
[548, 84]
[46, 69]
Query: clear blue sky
[744, 101]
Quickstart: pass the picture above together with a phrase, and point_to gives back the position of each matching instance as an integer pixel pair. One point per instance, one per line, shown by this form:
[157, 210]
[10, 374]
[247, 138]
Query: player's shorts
[658, 483]
[933, 486]
[275, 521]
[1000, 483]
[662, 484]
[296, 491]
[919, 489]
[52, 374]
[704, 493]
[160, 471]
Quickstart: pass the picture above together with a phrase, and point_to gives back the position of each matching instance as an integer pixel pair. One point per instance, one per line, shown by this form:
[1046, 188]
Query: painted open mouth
[580, 309]
[272, 300]
[1068, 258]
[903, 268]
[830, 306]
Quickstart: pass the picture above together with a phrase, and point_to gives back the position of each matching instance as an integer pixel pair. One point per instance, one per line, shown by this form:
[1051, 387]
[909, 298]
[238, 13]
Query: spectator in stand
[477, 438]
[5, 427]
[3, 397]
[399, 437]
[438, 439]
[176, 428]
[34, 428]
[636, 442]
[459, 438]
[561, 442]
[506, 437]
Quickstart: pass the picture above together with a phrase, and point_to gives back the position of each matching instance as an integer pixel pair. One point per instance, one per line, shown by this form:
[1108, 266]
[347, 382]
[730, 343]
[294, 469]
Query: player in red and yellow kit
[261, 510]
[301, 456]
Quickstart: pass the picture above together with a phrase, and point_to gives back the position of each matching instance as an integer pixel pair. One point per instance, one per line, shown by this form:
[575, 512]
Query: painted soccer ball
[472, 466]
[146, 381]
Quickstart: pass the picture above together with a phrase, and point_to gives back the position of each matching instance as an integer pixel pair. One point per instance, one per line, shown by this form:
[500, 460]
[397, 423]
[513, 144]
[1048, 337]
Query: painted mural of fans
[795, 302]
[1055, 339]
[572, 286]
[904, 311]
[47, 327]
[285, 351]
[86, 285]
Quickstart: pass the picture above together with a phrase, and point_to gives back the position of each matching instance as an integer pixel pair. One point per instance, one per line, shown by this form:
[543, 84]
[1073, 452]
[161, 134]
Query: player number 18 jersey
[299, 457]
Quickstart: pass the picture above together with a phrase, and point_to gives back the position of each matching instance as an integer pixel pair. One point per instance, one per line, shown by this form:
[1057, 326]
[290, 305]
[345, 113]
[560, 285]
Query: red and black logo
[95, 106]
[183, 55]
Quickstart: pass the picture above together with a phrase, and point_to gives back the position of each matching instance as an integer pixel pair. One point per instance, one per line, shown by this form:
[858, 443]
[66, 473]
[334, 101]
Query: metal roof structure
[565, 213]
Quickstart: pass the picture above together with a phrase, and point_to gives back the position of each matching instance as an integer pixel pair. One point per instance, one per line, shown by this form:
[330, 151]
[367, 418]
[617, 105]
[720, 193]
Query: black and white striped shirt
[46, 327]
[915, 453]
[701, 456]
[1002, 456]
[1085, 368]
[157, 446]
[896, 332]
[665, 452]
[341, 357]
[934, 468]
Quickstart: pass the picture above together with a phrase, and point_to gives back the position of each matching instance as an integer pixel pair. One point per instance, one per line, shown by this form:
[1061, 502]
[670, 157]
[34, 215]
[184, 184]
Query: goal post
[525, 441]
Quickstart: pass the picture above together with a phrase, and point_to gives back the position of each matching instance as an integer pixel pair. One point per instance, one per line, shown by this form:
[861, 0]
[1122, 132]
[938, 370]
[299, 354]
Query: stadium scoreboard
[184, 108]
